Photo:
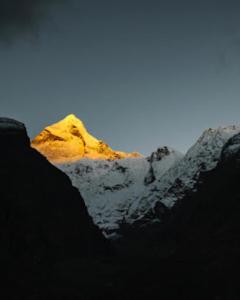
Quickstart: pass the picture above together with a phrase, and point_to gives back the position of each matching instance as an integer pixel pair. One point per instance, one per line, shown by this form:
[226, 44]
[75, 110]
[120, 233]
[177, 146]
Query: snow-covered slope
[136, 191]
[182, 176]
[231, 148]
[110, 187]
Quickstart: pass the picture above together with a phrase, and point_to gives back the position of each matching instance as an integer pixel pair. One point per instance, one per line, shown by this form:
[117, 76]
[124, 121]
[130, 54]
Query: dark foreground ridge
[50, 248]
[44, 221]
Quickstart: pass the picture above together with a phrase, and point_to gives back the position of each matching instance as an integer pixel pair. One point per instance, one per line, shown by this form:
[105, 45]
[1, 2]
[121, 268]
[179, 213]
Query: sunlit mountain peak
[68, 140]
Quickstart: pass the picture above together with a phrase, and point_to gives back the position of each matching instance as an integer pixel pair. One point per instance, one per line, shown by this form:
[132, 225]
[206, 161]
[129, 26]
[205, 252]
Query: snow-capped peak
[207, 149]
[68, 141]
[182, 176]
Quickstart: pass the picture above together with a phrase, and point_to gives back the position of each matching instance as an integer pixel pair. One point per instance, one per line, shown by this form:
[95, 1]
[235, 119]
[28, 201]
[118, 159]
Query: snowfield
[110, 187]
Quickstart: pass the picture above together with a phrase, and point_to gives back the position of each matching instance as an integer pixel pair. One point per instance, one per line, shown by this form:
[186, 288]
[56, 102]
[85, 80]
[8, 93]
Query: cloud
[22, 17]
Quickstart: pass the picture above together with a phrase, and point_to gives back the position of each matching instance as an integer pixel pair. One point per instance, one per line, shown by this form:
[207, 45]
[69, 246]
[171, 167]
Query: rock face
[69, 141]
[43, 218]
[109, 188]
[181, 178]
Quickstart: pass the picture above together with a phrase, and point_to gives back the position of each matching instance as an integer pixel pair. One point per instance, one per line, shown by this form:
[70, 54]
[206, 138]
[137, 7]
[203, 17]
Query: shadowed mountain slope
[43, 218]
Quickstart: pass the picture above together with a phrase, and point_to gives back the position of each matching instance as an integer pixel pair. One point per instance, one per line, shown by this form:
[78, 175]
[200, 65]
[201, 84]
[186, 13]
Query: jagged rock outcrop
[69, 141]
[43, 218]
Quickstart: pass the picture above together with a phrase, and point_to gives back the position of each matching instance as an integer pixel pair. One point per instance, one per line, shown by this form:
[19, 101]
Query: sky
[139, 74]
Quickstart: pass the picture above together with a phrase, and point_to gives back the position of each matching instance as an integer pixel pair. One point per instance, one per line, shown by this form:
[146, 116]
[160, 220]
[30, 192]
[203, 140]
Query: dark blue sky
[139, 74]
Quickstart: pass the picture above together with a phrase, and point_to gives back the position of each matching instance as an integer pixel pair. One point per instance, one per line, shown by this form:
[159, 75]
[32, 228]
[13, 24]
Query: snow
[232, 147]
[107, 186]
[128, 190]
[110, 187]
[182, 176]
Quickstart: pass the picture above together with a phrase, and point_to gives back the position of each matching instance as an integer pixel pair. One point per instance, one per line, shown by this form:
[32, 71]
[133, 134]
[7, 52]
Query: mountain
[211, 211]
[195, 253]
[134, 191]
[110, 187]
[43, 218]
[142, 191]
[50, 248]
[181, 177]
[69, 141]
[206, 227]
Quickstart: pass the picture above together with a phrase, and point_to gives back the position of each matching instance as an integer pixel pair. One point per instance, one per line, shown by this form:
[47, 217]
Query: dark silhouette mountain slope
[205, 230]
[43, 219]
[209, 218]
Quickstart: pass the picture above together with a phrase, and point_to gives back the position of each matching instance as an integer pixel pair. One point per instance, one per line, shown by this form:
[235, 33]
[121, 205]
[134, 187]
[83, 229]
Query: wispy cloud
[22, 17]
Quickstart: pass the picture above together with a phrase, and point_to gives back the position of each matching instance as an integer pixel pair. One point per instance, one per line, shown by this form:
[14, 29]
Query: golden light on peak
[69, 140]
[71, 116]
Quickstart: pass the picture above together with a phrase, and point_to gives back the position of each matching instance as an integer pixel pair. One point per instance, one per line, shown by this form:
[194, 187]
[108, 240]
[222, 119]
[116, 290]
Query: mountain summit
[69, 140]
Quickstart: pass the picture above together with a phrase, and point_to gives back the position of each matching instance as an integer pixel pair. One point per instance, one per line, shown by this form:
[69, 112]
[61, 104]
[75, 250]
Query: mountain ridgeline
[128, 189]
[121, 189]
[172, 220]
